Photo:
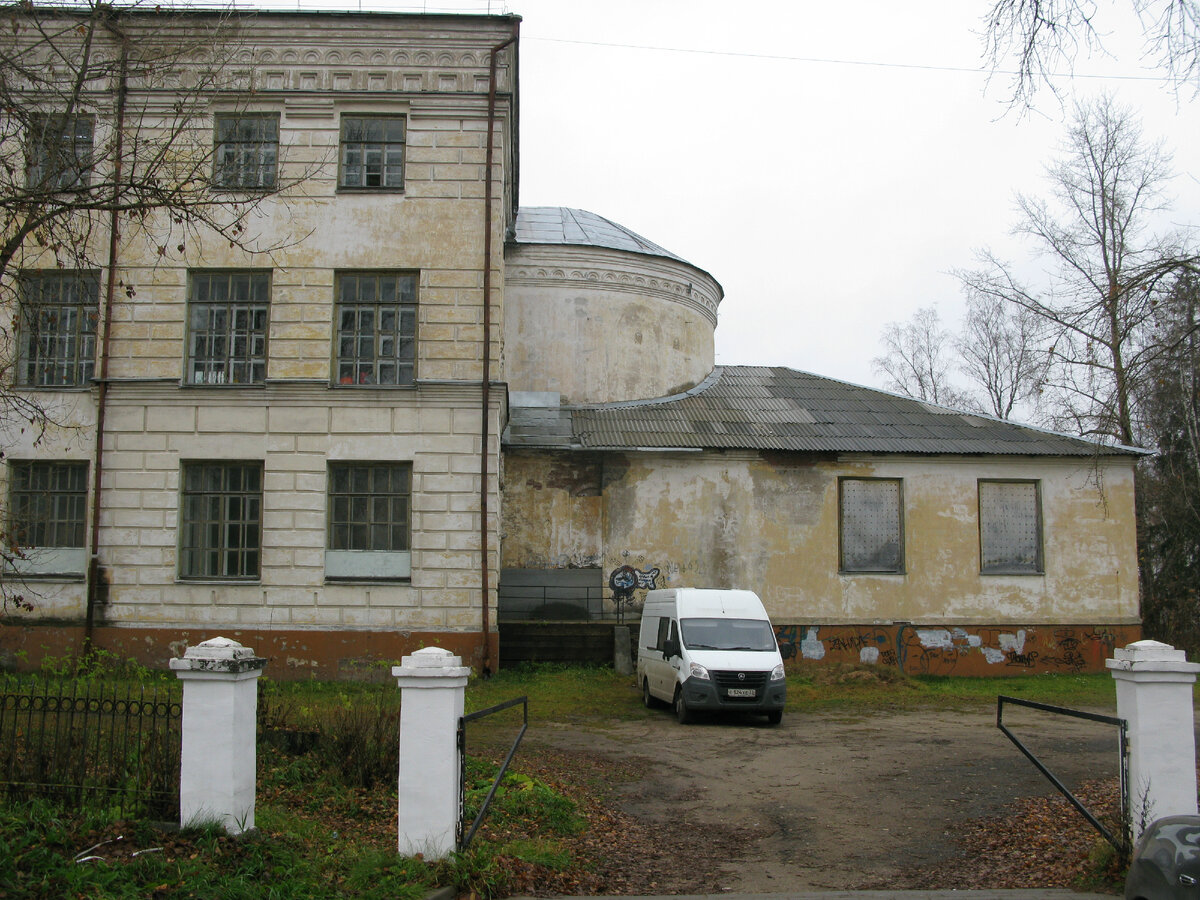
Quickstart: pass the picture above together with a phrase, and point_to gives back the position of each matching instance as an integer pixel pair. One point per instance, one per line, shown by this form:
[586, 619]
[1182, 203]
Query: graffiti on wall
[931, 650]
[624, 580]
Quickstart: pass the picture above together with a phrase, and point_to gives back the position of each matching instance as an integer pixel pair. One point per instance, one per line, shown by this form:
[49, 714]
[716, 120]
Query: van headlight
[698, 671]
[777, 673]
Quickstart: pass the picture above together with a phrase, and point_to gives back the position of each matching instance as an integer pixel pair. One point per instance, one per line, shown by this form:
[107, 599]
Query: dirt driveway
[834, 801]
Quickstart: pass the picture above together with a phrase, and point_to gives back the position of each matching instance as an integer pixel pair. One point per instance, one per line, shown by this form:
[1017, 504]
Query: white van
[709, 650]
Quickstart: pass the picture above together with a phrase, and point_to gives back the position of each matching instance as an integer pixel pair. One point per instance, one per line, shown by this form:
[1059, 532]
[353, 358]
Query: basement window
[870, 524]
[48, 506]
[1010, 528]
[220, 528]
[370, 522]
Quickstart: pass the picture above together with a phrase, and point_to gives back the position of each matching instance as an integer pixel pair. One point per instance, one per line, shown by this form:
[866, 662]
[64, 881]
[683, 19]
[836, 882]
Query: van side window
[663, 625]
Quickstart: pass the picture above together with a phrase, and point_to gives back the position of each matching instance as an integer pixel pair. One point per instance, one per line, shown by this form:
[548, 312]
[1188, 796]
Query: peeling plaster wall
[597, 325]
[770, 523]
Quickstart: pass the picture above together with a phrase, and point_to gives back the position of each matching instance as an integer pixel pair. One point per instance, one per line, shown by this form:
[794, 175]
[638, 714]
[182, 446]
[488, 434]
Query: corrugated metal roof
[563, 225]
[757, 408]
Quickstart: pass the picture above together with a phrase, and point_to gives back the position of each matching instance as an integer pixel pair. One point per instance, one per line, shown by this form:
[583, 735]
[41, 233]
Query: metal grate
[92, 744]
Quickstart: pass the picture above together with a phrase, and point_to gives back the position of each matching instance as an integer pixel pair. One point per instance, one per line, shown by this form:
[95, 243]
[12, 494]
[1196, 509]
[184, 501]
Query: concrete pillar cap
[1150, 657]
[219, 654]
[431, 662]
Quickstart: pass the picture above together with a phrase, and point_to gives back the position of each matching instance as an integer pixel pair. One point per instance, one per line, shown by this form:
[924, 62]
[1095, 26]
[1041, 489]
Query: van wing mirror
[670, 648]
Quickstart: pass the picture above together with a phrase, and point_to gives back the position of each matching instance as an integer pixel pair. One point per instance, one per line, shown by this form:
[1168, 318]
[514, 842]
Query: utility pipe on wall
[485, 402]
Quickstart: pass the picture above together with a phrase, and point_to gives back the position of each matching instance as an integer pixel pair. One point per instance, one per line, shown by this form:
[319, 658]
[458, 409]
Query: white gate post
[220, 705]
[432, 683]
[1154, 695]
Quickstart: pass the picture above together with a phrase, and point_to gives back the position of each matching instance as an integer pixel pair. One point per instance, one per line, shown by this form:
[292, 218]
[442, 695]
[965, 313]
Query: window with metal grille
[372, 152]
[377, 328]
[369, 521]
[48, 503]
[59, 311]
[58, 152]
[871, 525]
[227, 327]
[247, 150]
[220, 528]
[1010, 528]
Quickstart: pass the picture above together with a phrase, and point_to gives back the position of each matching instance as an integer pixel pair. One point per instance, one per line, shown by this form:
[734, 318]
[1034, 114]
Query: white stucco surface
[432, 682]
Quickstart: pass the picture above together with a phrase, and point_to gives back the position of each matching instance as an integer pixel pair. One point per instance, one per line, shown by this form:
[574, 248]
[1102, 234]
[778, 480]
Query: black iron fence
[83, 743]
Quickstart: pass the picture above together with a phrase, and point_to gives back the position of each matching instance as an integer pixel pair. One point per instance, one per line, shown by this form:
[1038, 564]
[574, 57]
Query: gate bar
[1122, 846]
[465, 840]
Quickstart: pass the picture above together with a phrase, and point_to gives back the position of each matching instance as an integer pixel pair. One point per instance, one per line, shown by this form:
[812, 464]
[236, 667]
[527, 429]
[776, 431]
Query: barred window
[58, 152]
[872, 528]
[370, 509]
[377, 328]
[247, 150]
[227, 327]
[48, 503]
[220, 529]
[59, 312]
[1010, 528]
[372, 152]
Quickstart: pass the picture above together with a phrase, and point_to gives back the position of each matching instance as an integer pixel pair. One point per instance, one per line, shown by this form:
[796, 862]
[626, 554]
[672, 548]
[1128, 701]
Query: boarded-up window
[1010, 528]
[872, 532]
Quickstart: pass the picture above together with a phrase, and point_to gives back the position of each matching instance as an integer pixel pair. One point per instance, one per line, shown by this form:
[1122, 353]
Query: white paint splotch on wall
[812, 647]
[1013, 643]
[868, 655]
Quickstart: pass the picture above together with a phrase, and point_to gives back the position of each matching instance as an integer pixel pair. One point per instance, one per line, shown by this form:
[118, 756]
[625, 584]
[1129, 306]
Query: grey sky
[827, 197]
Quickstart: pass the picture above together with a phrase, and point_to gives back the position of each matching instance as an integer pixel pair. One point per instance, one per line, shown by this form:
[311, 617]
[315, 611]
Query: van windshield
[728, 634]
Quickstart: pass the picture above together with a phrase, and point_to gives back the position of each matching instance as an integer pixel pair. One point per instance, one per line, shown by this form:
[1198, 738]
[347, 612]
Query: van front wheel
[775, 716]
[682, 713]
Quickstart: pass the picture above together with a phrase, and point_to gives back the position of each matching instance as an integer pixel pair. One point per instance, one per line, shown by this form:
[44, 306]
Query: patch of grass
[876, 688]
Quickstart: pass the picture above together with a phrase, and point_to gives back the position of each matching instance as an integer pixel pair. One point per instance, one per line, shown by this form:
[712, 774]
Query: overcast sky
[828, 163]
[829, 192]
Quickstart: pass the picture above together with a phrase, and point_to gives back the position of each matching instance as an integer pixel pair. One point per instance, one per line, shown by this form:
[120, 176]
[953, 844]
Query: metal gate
[1121, 844]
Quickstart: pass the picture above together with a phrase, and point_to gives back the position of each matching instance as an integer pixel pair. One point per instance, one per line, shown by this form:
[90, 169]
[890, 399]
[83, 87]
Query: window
[220, 529]
[369, 521]
[872, 531]
[247, 151]
[377, 328]
[372, 152]
[227, 327]
[58, 152]
[59, 311]
[48, 506]
[1010, 528]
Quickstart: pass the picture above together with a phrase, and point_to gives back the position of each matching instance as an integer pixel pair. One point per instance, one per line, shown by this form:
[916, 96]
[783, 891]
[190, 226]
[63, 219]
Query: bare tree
[106, 147]
[918, 360]
[1000, 353]
[1044, 37]
[1104, 269]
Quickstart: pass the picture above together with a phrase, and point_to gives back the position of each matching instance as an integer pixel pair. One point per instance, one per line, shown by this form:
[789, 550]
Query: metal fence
[109, 745]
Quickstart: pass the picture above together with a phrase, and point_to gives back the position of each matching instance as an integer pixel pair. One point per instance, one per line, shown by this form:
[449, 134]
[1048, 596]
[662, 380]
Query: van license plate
[742, 692]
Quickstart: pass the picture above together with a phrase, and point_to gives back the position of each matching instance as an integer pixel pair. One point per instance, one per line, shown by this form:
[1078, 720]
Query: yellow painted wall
[770, 523]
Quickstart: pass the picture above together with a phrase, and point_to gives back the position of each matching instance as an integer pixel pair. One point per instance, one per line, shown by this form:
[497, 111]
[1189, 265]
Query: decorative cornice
[629, 273]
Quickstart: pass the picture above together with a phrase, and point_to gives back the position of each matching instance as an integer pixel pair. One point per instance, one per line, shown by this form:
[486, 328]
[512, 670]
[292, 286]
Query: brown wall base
[995, 650]
[989, 650]
[291, 655]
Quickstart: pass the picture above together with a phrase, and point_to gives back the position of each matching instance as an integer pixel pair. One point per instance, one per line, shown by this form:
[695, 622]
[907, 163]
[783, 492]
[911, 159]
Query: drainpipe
[485, 401]
[110, 288]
